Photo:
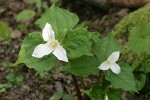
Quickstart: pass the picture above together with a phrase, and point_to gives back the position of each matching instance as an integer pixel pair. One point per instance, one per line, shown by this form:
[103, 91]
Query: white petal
[48, 33]
[104, 66]
[60, 53]
[114, 57]
[115, 68]
[42, 50]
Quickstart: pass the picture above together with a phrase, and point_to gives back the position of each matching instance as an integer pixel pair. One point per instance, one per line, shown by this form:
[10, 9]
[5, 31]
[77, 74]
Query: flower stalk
[76, 87]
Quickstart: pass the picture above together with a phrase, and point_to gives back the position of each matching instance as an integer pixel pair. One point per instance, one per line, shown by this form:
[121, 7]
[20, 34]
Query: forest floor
[33, 86]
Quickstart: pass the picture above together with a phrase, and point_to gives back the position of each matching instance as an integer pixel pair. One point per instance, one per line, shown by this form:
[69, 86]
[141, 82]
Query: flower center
[109, 62]
[53, 44]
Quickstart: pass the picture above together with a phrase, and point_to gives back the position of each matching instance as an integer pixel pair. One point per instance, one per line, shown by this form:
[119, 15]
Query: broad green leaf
[140, 81]
[124, 80]
[82, 66]
[77, 43]
[25, 15]
[4, 31]
[60, 19]
[139, 38]
[96, 92]
[25, 55]
[105, 47]
[114, 95]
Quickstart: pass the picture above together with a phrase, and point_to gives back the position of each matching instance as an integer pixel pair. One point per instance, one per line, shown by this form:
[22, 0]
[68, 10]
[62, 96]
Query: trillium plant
[67, 47]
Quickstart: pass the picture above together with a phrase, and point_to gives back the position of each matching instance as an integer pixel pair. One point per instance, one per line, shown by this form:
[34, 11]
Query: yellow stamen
[54, 44]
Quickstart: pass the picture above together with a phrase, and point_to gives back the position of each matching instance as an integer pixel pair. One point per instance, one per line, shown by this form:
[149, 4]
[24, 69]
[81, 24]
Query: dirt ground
[34, 87]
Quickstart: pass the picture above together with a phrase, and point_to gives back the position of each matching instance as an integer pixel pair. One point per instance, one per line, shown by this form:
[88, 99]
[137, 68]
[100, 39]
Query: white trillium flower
[111, 63]
[52, 45]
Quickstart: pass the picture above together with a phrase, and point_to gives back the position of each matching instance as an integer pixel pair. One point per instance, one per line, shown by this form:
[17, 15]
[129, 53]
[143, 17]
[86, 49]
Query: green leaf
[11, 77]
[57, 96]
[19, 80]
[3, 87]
[15, 80]
[140, 81]
[77, 43]
[105, 83]
[60, 19]
[7, 85]
[139, 38]
[96, 92]
[25, 55]
[2, 90]
[95, 36]
[114, 95]
[82, 66]
[105, 47]
[69, 97]
[124, 80]
[21, 27]
[145, 68]
[4, 31]
[25, 15]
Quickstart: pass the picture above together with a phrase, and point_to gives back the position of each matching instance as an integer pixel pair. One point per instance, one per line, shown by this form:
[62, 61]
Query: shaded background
[97, 15]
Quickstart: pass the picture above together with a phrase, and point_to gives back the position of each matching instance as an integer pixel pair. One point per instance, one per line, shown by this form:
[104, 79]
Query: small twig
[76, 87]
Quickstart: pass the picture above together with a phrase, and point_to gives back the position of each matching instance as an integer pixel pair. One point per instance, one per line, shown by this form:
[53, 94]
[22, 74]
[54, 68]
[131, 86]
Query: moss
[133, 19]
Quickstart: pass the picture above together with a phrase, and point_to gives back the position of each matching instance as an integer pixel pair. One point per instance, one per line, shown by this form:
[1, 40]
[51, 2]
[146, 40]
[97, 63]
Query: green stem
[76, 87]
